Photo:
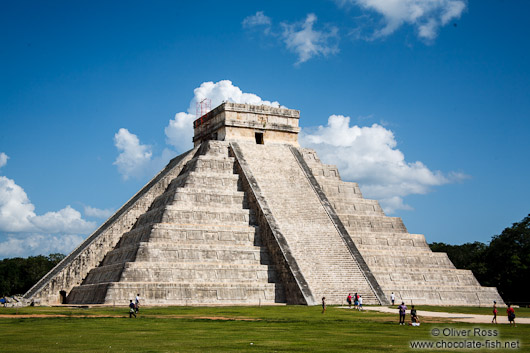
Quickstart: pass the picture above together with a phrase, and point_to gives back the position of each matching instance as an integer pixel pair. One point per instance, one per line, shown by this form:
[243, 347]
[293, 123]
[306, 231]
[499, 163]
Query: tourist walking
[393, 298]
[132, 309]
[323, 305]
[137, 302]
[511, 315]
[494, 320]
[360, 302]
[349, 300]
[355, 301]
[402, 311]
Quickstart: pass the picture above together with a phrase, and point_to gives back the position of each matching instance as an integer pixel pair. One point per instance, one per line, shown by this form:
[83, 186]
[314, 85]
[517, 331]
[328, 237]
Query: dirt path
[471, 318]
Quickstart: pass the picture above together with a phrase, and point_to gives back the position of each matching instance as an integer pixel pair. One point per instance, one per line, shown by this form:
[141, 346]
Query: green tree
[508, 259]
[504, 263]
[17, 275]
[469, 256]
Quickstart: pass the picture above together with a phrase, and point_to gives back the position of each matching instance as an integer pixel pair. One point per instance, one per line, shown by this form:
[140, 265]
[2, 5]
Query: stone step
[187, 252]
[419, 260]
[176, 214]
[106, 273]
[361, 207]
[190, 232]
[359, 223]
[421, 277]
[140, 272]
[376, 241]
[325, 171]
[217, 164]
[189, 195]
[177, 272]
[441, 296]
[192, 253]
[208, 180]
[211, 197]
[178, 293]
[334, 297]
[396, 250]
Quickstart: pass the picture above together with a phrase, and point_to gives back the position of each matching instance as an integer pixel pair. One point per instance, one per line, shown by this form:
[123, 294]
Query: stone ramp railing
[73, 268]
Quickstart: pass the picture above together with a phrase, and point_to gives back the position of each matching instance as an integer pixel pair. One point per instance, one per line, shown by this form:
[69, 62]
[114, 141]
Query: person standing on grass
[349, 300]
[132, 309]
[511, 315]
[494, 320]
[393, 298]
[355, 301]
[402, 311]
[137, 303]
[323, 305]
[360, 302]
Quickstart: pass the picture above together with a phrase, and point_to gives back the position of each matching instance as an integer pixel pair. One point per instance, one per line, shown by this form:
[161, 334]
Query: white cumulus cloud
[15, 207]
[369, 156]
[258, 20]
[179, 132]
[301, 38]
[307, 42]
[22, 245]
[24, 233]
[3, 159]
[426, 15]
[133, 157]
[17, 214]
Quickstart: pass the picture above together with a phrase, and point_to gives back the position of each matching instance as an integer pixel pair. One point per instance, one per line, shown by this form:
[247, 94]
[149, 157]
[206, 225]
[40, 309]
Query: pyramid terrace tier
[192, 233]
[176, 272]
[179, 293]
[177, 214]
[445, 295]
[202, 197]
[405, 242]
[420, 277]
[172, 252]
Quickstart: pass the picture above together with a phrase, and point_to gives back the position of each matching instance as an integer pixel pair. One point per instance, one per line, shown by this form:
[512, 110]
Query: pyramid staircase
[316, 245]
[196, 244]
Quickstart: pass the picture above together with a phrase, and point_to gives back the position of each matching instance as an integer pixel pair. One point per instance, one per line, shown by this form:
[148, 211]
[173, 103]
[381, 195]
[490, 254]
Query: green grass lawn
[221, 329]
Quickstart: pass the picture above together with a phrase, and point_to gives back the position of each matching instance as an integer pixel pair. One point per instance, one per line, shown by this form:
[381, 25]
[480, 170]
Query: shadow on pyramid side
[247, 217]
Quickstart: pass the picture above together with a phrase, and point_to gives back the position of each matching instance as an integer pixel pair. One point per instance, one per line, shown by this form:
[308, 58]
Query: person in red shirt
[511, 315]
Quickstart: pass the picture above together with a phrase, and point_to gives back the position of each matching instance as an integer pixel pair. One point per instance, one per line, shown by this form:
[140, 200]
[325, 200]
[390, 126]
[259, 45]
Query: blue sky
[425, 104]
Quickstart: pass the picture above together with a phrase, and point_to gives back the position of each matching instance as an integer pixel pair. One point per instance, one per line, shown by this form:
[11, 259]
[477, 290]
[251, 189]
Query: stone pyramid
[249, 217]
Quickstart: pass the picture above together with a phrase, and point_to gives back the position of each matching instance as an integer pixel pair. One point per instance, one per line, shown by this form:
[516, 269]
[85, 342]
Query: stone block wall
[73, 269]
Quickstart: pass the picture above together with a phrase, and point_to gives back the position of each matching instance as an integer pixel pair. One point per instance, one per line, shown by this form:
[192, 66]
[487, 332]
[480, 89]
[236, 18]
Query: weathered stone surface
[248, 217]
[401, 262]
[196, 244]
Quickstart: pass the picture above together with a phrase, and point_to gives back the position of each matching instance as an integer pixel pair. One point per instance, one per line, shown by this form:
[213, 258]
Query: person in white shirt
[137, 302]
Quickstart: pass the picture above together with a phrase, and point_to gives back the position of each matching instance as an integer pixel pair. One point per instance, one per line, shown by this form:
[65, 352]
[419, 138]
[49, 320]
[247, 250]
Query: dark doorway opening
[259, 138]
[62, 295]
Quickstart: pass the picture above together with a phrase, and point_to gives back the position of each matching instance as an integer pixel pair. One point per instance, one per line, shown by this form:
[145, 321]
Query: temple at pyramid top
[246, 122]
